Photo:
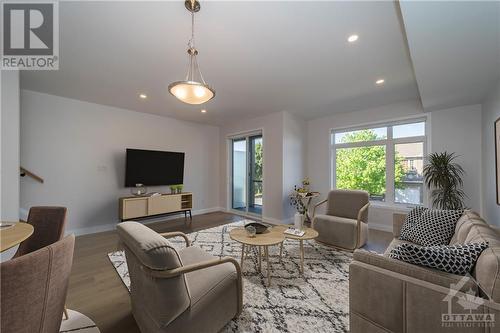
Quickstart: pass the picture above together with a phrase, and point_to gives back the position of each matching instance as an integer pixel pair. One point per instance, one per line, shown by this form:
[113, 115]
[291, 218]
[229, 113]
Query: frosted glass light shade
[191, 92]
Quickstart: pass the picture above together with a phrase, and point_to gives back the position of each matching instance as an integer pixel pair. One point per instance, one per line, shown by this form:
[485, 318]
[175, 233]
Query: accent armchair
[178, 291]
[345, 222]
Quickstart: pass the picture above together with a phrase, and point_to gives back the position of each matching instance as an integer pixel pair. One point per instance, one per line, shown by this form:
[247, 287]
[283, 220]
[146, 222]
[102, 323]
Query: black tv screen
[153, 168]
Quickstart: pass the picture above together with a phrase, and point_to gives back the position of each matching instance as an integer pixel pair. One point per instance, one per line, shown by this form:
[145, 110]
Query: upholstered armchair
[33, 288]
[345, 222]
[187, 290]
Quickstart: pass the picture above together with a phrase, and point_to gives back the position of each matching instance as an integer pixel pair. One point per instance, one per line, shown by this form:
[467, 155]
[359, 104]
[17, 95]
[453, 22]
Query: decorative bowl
[259, 227]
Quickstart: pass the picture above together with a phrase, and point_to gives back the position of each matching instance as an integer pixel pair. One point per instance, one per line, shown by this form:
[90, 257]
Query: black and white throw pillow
[411, 219]
[434, 227]
[457, 259]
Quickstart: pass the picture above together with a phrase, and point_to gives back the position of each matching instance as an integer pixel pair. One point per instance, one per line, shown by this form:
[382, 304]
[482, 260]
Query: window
[386, 161]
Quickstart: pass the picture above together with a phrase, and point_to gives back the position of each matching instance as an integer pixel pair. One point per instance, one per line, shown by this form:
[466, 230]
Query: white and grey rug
[317, 301]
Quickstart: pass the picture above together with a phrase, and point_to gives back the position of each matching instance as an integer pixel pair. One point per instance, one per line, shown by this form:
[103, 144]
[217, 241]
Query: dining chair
[48, 223]
[33, 288]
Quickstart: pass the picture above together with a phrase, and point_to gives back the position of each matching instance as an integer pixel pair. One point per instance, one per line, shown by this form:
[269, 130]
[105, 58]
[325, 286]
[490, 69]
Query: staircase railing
[24, 172]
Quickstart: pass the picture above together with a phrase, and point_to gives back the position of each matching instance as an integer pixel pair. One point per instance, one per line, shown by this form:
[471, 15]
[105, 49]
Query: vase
[139, 190]
[298, 220]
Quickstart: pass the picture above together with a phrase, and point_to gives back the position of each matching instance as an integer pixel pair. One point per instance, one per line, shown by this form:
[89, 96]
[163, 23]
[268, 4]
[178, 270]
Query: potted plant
[443, 176]
[173, 189]
[296, 200]
[179, 188]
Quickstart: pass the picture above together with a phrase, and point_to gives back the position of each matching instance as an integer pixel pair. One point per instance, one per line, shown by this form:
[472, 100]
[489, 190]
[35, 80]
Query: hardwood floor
[96, 290]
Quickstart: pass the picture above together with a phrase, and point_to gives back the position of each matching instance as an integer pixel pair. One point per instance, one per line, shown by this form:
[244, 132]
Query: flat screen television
[153, 168]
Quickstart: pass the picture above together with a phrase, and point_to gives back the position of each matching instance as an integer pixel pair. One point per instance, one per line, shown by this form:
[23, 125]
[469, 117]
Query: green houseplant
[443, 176]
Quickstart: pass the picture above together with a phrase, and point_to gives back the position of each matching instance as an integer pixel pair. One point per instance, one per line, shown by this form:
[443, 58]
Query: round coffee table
[310, 234]
[13, 233]
[272, 236]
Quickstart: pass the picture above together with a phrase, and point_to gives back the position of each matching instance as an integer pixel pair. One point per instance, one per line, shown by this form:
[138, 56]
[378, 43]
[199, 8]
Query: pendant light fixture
[194, 89]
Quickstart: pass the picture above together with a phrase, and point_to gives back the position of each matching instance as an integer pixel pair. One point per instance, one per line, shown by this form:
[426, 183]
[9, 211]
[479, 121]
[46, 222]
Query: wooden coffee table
[272, 236]
[310, 234]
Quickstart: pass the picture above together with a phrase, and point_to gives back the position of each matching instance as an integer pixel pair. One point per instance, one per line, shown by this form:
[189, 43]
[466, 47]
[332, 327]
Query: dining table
[13, 233]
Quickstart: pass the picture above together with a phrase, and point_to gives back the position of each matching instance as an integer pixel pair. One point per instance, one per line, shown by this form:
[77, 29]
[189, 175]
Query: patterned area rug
[316, 301]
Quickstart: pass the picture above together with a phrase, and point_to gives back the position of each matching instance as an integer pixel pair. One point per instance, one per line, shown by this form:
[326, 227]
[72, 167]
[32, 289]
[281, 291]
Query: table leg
[242, 254]
[302, 256]
[281, 250]
[266, 252]
[260, 258]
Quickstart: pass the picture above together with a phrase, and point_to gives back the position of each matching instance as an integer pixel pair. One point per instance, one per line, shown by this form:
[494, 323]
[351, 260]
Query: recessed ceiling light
[352, 38]
[203, 111]
[143, 96]
[380, 81]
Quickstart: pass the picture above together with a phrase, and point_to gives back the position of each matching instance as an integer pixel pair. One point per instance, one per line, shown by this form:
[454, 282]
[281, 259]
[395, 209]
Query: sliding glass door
[239, 174]
[247, 167]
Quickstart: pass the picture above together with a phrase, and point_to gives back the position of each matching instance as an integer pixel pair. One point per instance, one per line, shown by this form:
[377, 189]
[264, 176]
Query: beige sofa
[387, 295]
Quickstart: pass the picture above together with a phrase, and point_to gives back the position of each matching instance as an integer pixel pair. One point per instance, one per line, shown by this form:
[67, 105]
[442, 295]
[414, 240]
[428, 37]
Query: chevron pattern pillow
[456, 259]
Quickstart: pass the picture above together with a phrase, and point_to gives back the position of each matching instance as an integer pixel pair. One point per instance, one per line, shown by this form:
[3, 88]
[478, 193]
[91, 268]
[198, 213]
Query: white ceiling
[261, 57]
[455, 50]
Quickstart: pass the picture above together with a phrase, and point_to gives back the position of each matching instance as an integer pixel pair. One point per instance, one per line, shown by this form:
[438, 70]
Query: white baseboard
[112, 226]
[381, 227]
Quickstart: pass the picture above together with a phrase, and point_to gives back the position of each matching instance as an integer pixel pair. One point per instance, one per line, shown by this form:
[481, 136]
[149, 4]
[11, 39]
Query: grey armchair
[178, 291]
[345, 223]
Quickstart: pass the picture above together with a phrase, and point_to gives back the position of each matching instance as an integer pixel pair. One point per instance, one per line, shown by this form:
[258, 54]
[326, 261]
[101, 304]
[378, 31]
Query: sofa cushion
[463, 226]
[456, 259]
[204, 282]
[487, 273]
[339, 231]
[152, 249]
[410, 221]
[434, 227]
[482, 232]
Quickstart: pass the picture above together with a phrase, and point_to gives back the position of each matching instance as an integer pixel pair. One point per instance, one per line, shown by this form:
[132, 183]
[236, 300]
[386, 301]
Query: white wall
[294, 149]
[459, 130]
[453, 130]
[272, 130]
[491, 112]
[79, 149]
[10, 146]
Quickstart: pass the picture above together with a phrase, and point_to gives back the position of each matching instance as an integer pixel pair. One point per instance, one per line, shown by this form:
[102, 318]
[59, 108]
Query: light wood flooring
[96, 290]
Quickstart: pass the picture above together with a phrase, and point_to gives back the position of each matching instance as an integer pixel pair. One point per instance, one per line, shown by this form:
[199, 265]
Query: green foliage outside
[258, 167]
[363, 168]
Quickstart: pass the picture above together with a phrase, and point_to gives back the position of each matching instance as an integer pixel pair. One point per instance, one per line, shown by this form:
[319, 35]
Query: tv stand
[152, 206]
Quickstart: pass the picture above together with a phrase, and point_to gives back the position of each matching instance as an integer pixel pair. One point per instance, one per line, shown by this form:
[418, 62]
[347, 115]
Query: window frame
[389, 143]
